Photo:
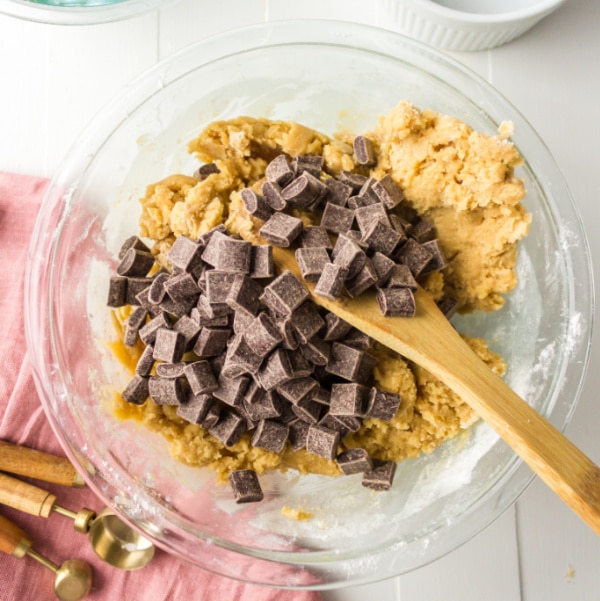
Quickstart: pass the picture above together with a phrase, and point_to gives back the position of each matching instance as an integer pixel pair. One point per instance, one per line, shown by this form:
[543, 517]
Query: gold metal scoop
[73, 578]
[112, 540]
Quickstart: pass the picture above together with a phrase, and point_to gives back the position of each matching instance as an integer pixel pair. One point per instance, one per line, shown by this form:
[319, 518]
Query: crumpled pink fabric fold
[22, 421]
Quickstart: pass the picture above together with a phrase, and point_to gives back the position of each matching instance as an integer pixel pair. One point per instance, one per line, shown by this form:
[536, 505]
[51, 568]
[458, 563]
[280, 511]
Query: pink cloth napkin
[23, 421]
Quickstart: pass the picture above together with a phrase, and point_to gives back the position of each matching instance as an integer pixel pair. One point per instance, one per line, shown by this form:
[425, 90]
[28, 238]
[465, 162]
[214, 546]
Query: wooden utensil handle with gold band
[23, 461]
[13, 541]
[25, 497]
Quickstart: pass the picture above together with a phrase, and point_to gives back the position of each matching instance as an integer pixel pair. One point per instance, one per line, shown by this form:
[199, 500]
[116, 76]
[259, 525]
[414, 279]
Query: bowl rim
[161, 75]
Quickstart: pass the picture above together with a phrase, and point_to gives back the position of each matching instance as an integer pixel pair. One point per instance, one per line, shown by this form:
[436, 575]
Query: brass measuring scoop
[112, 540]
[73, 578]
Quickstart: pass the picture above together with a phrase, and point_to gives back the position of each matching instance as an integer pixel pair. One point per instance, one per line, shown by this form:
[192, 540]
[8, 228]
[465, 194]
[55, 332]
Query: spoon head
[118, 544]
[73, 580]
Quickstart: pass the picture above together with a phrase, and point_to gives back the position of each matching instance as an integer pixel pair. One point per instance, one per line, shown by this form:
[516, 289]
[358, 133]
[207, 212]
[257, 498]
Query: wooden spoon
[429, 340]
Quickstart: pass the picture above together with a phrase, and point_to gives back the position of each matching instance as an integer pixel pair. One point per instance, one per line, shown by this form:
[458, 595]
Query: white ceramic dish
[466, 25]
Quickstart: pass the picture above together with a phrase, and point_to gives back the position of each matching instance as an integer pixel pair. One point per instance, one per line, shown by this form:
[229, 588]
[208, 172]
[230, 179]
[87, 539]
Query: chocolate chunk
[336, 424]
[322, 441]
[348, 399]
[233, 255]
[270, 435]
[365, 216]
[332, 280]
[200, 377]
[136, 263]
[448, 306]
[181, 287]
[350, 255]
[229, 428]
[211, 316]
[337, 219]
[240, 353]
[314, 236]
[171, 370]
[256, 205]
[287, 413]
[281, 229]
[358, 339]
[211, 240]
[312, 163]
[284, 294]
[308, 411]
[297, 390]
[136, 286]
[195, 408]
[178, 308]
[335, 327]
[261, 404]
[243, 295]
[117, 292]
[361, 201]
[297, 433]
[365, 279]
[349, 363]
[401, 277]
[148, 332]
[211, 341]
[306, 322]
[263, 335]
[381, 476]
[354, 180]
[205, 170]
[290, 340]
[384, 267]
[311, 261]
[241, 321]
[422, 231]
[337, 192]
[396, 302]
[437, 261]
[132, 242]
[301, 368]
[144, 301]
[169, 345]
[388, 192]
[212, 416]
[414, 255]
[302, 192]
[273, 196]
[218, 285]
[145, 362]
[316, 351]
[166, 391]
[366, 195]
[136, 392]
[279, 170]
[185, 254]
[246, 487]
[354, 461]
[189, 328]
[382, 237]
[157, 291]
[364, 151]
[231, 390]
[135, 322]
[322, 396]
[382, 405]
[261, 261]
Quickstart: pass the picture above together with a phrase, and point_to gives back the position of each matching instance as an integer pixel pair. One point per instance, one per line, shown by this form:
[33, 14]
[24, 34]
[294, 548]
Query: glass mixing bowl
[328, 76]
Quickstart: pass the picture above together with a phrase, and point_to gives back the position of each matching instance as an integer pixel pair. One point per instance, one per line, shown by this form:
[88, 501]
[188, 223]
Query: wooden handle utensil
[23, 461]
[429, 340]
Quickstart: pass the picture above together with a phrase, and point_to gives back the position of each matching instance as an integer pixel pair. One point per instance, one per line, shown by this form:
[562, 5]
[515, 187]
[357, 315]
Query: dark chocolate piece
[338, 193]
[200, 377]
[348, 399]
[185, 254]
[135, 264]
[297, 433]
[195, 408]
[335, 327]
[301, 367]
[302, 191]
[275, 370]
[132, 242]
[422, 231]
[148, 332]
[284, 294]
[218, 285]
[145, 362]
[256, 205]
[205, 170]
[178, 308]
[358, 339]
[209, 312]
[381, 237]
[308, 411]
[229, 428]
[261, 261]
[366, 215]
[166, 391]
[388, 192]
[348, 254]
[212, 416]
[232, 255]
[384, 267]
[273, 196]
[354, 180]
[270, 435]
[241, 321]
[402, 277]
[157, 291]
[281, 229]
[261, 404]
[382, 405]
[448, 306]
[135, 322]
[290, 340]
[365, 279]
[414, 255]
[337, 219]
[263, 335]
[306, 322]
[246, 487]
[381, 476]
[396, 302]
[297, 390]
[316, 351]
[311, 261]
[211, 240]
[312, 163]
[332, 280]
[240, 353]
[322, 441]
[181, 287]
[364, 151]
[189, 328]
[438, 260]
[117, 292]
[354, 461]
[136, 286]
[279, 170]
[243, 295]
[169, 345]
[211, 341]
[136, 391]
[315, 236]
[349, 363]
[231, 390]
[170, 370]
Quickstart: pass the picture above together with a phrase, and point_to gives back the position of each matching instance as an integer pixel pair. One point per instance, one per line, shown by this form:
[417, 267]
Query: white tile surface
[52, 85]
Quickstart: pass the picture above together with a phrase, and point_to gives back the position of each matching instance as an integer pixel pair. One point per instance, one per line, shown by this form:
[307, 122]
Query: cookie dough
[460, 180]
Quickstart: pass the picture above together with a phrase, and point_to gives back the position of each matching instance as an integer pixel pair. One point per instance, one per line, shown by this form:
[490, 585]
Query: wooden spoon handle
[13, 541]
[25, 497]
[23, 461]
